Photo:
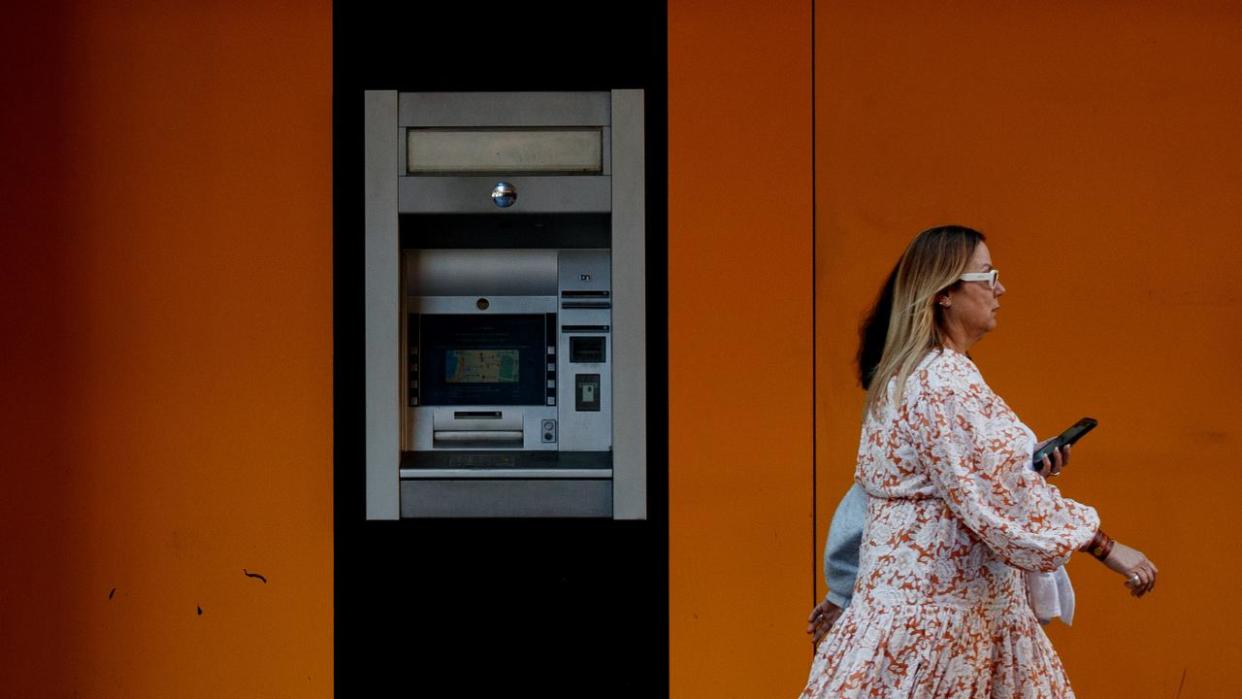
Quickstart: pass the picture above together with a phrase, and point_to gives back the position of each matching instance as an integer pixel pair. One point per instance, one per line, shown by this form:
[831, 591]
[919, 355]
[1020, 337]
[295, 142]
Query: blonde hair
[930, 265]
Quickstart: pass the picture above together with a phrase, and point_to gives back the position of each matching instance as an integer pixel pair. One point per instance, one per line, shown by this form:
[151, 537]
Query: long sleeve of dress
[978, 461]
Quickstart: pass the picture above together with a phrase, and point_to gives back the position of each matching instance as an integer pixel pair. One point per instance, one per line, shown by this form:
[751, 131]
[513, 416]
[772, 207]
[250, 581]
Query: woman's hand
[1139, 572]
[1059, 459]
[822, 618]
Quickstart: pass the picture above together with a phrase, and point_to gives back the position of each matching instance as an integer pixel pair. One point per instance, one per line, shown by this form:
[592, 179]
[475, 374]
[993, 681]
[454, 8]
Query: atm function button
[551, 383]
[551, 400]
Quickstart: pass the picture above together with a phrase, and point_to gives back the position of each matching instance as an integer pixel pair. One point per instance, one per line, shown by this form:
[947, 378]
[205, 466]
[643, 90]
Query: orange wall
[739, 347]
[1097, 144]
[166, 272]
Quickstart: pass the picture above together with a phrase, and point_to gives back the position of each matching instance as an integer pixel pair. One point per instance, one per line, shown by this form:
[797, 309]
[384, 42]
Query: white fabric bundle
[1051, 595]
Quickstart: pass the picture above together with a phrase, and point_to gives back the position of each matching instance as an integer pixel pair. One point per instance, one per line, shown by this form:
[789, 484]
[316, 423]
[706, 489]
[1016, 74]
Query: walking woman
[955, 514]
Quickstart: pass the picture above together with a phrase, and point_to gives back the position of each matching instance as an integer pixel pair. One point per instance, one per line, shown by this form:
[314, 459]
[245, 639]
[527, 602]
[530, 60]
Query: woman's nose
[1000, 288]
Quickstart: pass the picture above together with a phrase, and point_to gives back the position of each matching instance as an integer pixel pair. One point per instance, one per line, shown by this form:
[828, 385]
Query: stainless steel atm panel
[506, 314]
[523, 363]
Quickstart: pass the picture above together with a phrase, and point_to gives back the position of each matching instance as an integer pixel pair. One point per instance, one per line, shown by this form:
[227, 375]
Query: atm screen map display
[481, 366]
[482, 359]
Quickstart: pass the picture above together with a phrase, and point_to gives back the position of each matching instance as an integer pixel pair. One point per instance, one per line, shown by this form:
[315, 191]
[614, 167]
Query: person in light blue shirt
[840, 561]
[845, 532]
[844, 540]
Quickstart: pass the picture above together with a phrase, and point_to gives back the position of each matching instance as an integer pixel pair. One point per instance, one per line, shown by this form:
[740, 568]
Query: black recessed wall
[476, 607]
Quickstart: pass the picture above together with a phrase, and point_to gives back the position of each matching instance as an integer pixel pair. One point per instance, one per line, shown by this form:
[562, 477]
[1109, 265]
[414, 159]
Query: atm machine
[505, 306]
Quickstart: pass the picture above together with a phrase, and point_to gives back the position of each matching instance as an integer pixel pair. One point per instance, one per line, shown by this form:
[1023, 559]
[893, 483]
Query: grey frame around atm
[621, 190]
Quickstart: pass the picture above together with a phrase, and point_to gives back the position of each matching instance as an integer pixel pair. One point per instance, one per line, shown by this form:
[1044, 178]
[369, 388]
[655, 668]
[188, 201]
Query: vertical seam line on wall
[814, 334]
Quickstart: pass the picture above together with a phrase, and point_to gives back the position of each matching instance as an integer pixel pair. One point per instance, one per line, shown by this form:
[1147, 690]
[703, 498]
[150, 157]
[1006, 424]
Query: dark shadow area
[471, 607]
[39, 512]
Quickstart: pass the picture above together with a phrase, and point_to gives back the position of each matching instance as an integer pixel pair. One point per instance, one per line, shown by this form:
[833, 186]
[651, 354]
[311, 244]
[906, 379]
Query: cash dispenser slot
[476, 429]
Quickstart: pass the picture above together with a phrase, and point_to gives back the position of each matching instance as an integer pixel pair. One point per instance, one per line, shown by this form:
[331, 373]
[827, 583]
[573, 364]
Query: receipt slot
[505, 305]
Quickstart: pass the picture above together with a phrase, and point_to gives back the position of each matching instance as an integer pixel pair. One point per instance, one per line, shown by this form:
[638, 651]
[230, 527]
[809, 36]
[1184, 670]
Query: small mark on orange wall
[200, 610]
[254, 575]
[111, 592]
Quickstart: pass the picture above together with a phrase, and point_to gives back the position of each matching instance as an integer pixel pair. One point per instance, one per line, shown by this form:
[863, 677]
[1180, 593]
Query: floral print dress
[955, 517]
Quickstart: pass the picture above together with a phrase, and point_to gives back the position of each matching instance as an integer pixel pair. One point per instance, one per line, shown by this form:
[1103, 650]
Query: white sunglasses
[989, 276]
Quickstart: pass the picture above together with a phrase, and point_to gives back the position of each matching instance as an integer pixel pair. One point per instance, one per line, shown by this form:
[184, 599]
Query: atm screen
[481, 366]
[482, 359]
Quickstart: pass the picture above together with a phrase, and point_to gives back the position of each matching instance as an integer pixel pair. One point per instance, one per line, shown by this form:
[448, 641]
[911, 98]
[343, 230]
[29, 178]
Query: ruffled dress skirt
[955, 518]
[879, 649]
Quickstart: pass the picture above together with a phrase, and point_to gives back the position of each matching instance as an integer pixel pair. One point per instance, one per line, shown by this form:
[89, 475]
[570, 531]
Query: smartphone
[1073, 434]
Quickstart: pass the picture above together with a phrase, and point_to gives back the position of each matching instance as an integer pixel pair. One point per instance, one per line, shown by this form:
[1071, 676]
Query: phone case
[1070, 436]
